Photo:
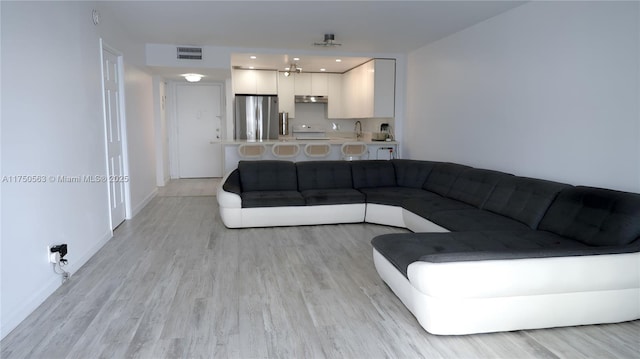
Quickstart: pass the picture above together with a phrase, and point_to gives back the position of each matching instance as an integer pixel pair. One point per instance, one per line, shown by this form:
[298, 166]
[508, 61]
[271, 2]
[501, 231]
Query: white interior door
[114, 136]
[198, 109]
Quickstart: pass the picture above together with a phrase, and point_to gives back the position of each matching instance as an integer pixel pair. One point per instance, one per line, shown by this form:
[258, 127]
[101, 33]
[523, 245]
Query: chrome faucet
[358, 130]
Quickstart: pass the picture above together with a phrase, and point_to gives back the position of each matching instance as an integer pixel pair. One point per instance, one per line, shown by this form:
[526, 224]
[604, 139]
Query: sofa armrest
[524, 277]
[228, 193]
[231, 182]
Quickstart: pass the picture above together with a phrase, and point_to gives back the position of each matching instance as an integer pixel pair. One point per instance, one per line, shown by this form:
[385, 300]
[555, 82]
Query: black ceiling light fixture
[329, 41]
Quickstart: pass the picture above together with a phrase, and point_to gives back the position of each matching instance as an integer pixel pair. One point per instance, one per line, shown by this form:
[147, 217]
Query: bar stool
[285, 150]
[353, 150]
[317, 150]
[251, 150]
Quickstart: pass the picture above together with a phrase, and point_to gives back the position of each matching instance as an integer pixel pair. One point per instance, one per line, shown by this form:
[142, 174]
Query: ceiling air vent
[190, 53]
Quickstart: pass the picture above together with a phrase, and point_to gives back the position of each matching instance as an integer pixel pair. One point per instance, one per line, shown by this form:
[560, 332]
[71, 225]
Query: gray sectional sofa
[491, 251]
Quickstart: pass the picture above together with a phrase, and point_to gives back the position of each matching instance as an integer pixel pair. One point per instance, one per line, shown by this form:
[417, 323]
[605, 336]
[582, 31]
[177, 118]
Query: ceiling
[362, 27]
[307, 63]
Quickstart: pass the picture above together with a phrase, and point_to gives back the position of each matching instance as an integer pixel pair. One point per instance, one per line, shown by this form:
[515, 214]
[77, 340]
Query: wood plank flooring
[190, 187]
[175, 283]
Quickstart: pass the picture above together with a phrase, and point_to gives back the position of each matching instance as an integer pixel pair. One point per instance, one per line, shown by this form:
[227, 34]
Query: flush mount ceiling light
[328, 41]
[193, 77]
[293, 68]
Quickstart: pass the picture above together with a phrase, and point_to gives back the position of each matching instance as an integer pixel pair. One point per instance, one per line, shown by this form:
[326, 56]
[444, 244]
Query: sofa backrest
[412, 173]
[473, 185]
[324, 175]
[523, 199]
[376, 173]
[442, 177]
[595, 216]
[268, 176]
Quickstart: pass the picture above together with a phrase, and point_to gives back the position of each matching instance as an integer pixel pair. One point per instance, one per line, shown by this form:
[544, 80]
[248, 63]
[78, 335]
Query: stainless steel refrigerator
[256, 117]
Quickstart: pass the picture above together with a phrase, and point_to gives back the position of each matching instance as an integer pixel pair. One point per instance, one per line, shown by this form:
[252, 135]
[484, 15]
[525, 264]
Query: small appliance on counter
[283, 123]
[383, 135]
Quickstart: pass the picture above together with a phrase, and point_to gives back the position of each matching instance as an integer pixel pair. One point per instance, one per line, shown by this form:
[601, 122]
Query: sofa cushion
[594, 216]
[473, 186]
[523, 199]
[425, 207]
[402, 249]
[412, 173]
[442, 177]
[474, 220]
[271, 199]
[268, 176]
[333, 196]
[376, 173]
[394, 196]
[324, 175]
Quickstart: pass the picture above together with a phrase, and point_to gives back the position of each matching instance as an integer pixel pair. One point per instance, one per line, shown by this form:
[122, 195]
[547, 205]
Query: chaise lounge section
[492, 251]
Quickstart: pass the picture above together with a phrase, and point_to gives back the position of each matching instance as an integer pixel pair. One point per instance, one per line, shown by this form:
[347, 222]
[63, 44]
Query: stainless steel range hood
[312, 99]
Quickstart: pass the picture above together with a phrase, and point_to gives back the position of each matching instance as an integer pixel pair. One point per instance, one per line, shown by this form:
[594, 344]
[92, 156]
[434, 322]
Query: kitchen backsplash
[315, 115]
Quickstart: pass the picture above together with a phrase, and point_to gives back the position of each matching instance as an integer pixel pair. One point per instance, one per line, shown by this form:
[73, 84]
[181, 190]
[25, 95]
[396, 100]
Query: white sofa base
[488, 296]
[415, 223]
[385, 215]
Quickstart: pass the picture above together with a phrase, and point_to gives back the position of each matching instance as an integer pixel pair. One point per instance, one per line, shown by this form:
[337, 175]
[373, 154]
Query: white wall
[140, 136]
[548, 89]
[52, 125]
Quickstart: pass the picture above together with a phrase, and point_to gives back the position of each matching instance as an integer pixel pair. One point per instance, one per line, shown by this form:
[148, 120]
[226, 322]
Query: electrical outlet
[53, 257]
[56, 252]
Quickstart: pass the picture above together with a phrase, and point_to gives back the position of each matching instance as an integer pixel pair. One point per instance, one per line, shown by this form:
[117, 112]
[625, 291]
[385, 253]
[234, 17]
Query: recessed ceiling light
[296, 59]
[253, 57]
[338, 60]
[251, 67]
[323, 70]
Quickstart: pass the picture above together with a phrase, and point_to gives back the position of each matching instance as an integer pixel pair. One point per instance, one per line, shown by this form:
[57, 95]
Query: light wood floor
[175, 283]
[190, 187]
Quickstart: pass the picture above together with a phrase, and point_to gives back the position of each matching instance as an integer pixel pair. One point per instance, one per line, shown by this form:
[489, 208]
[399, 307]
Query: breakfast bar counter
[383, 150]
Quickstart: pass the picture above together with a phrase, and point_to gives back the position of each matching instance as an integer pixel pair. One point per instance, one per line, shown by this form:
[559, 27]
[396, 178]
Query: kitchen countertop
[331, 140]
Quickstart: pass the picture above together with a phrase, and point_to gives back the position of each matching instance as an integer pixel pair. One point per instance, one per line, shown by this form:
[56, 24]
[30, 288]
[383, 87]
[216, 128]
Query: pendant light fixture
[328, 41]
[293, 68]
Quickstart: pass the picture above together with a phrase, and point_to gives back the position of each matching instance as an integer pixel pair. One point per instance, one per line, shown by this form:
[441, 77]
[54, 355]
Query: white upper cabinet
[286, 94]
[267, 82]
[302, 84]
[255, 82]
[366, 91]
[369, 90]
[334, 92]
[384, 88]
[319, 84]
[310, 84]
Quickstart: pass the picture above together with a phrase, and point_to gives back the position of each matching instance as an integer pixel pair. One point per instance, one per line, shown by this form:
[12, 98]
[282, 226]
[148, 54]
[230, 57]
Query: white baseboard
[143, 203]
[32, 303]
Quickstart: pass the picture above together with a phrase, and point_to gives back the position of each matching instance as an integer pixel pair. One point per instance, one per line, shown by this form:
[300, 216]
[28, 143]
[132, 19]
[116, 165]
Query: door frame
[123, 131]
[172, 122]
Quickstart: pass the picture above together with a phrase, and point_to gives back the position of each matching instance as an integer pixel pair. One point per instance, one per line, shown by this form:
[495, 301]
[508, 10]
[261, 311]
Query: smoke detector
[328, 41]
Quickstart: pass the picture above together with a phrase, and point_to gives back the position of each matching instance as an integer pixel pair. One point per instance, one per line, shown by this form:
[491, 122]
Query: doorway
[198, 125]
